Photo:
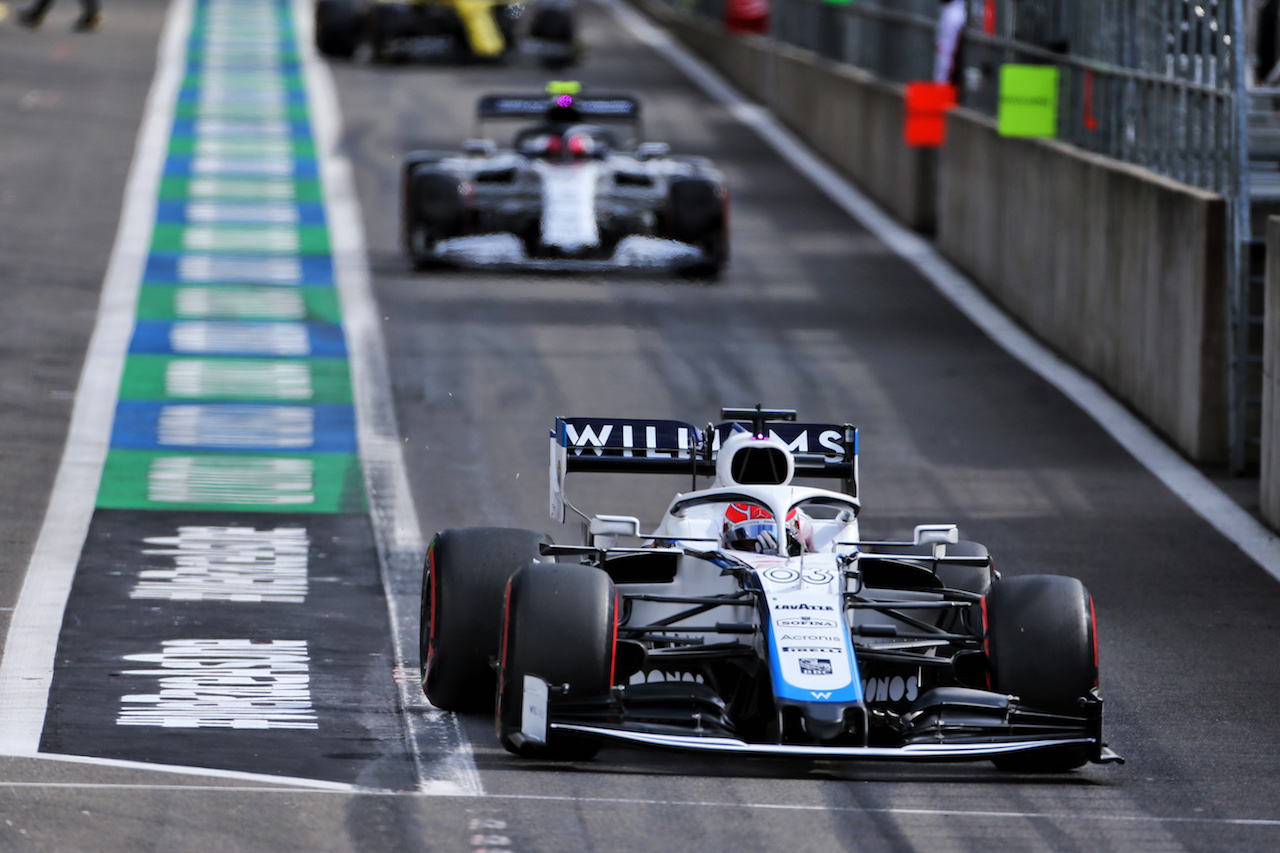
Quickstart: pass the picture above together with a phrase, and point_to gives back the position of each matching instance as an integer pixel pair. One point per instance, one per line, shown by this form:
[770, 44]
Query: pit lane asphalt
[814, 313]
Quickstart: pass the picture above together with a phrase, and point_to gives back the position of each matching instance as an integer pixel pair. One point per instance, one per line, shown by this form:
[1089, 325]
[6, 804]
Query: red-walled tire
[460, 628]
[561, 625]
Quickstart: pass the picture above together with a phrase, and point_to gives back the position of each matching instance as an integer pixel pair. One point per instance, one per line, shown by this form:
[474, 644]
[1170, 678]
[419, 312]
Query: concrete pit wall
[1269, 496]
[1121, 271]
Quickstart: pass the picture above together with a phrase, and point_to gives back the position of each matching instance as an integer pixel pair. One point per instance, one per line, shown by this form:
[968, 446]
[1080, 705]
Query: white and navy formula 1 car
[398, 30]
[573, 192]
[754, 620]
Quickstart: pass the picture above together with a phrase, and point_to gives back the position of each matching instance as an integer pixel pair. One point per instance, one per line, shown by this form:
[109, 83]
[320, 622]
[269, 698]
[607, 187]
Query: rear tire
[562, 627]
[386, 22]
[696, 215]
[554, 24]
[459, 631]
[338, 27]
[1041, 648]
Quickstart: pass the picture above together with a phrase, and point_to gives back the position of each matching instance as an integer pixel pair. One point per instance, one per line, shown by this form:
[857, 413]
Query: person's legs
[90, 15]
[34, 14]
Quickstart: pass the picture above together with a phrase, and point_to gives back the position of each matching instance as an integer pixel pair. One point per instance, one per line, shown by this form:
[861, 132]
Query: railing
[1148, 82]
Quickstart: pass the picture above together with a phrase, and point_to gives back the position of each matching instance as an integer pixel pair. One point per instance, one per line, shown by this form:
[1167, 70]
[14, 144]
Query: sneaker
[87, 23]
[29, 19]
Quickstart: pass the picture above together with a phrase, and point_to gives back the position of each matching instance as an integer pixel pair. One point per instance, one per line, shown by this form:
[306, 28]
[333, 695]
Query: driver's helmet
[547, 143]
[750, 527]
[582, 144]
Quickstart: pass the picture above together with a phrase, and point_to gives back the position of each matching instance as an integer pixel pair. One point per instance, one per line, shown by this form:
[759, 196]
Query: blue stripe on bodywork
[847, 695]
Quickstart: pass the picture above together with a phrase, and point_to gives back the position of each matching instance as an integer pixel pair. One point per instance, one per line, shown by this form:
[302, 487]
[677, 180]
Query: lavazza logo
[804, 607]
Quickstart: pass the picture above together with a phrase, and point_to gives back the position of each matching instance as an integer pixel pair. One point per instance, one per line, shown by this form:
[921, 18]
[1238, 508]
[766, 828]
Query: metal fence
[1157, 83]
[1148, 82]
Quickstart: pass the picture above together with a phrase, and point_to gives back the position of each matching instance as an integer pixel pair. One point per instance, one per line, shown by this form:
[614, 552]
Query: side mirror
[479, 148]
[937, 534]
[652, 150]
[604, 530]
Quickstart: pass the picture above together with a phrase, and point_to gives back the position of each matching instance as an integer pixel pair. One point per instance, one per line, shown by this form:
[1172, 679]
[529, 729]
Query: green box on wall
[1028, 100]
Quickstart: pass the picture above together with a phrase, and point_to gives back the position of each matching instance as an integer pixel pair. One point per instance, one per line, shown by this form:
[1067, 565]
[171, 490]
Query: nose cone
[824, 721]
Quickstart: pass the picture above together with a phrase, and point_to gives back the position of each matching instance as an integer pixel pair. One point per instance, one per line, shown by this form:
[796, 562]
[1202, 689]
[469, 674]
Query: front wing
[906, 752]
[952, 724]
[505, 251]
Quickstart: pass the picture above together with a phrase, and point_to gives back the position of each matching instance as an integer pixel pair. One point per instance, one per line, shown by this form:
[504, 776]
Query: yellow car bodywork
[483, 35]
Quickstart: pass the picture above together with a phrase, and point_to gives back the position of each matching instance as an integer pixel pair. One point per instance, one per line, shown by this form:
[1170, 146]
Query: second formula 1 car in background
[448, 29]
[575, 190]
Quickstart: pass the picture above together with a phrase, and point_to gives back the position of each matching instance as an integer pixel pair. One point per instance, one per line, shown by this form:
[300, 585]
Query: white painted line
[1182, 478]
[293, 782]
[1093, 817]
[26, 669]
[335, 788]
[395, 521]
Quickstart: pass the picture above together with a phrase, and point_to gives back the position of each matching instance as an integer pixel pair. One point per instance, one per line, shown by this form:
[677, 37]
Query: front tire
[1041, 647]
[435, 210]
[561, 625]
[463, 582]
[697, 216]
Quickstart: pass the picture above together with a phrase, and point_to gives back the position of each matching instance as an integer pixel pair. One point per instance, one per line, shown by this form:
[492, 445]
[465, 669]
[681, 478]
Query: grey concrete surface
[1118, 269]
[70, 105]
[813, 313]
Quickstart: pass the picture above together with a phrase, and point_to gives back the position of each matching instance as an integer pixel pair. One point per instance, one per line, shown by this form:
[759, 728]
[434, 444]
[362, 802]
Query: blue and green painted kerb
[236, 393]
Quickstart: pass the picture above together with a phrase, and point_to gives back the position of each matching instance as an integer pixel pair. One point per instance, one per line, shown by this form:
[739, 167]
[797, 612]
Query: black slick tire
[1041, 647]
[553, 24]
[696, 215]
[460, 625]
[339, 25]
[435, 209]
[561, 625]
